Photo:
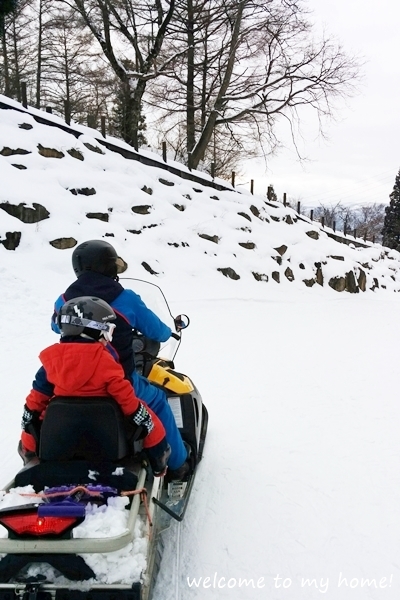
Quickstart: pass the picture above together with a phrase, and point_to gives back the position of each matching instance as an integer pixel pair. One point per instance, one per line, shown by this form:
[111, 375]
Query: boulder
[63, 243]
[314, 235]
[247, 245]
[281, 249]
[228, 272]
[93, 148]
[289, 274]
[260, 276]
[362, 280]
[209, 238]
[276, 276]
[75, 154]
[25, 214]
[142, 209]
[50, 152]
[338, 283]
[148, 268]
[12, 240]
[83, 191]
[98, 215]
[148, 190]
[11, 152]
[351, 283]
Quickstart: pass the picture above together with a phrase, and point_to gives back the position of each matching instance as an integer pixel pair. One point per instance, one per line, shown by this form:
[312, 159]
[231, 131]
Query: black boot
[158, 457]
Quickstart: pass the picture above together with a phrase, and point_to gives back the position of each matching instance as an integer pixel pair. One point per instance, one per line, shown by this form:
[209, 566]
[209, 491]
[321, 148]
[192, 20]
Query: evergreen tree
[391, 225]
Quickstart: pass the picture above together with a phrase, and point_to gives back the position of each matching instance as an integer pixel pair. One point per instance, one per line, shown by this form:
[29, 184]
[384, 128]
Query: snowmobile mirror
[181, 322]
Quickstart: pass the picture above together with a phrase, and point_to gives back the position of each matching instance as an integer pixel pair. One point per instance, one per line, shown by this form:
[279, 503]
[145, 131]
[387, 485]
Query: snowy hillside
[298, 490]
[58, 190]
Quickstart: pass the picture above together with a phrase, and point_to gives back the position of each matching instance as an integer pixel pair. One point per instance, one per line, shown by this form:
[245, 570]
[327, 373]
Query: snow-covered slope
[68, 189]
[298, 491]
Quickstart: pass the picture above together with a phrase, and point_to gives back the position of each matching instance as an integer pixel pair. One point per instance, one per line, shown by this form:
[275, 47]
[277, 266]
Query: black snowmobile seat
[83, 428]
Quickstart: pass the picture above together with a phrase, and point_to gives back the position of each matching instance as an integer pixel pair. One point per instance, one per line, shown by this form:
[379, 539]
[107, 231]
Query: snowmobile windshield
[155, 300]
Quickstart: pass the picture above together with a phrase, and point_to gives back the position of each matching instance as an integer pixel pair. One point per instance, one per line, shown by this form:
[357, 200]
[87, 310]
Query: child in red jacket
[81, 365]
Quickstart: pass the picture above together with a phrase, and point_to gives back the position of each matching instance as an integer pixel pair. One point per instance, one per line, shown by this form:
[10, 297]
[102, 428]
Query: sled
[83, 459]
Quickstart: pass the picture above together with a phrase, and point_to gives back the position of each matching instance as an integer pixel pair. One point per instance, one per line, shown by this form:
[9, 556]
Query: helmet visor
[108, 335]
[121, 265]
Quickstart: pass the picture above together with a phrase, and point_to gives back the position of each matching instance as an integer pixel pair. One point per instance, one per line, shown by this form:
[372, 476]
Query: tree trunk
[206, 134]
[7, 86]
[190, 112]
[39, 57]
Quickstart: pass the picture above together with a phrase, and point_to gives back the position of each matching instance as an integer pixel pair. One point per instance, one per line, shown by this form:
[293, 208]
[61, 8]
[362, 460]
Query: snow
[298, 491]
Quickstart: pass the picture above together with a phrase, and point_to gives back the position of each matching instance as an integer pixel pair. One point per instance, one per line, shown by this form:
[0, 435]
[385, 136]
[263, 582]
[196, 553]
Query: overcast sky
[360, 160]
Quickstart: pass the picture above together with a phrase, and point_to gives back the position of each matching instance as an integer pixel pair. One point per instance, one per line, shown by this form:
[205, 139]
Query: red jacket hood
[70, 366]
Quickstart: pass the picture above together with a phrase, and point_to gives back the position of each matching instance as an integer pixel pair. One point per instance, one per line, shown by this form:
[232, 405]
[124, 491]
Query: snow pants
[156, 399]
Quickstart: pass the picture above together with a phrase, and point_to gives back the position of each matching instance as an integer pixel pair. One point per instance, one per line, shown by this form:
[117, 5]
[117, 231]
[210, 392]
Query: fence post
[334, 226]
[323, 221]
[213, 170]
[284, 199]
[312, 214]
[355, 233]
[269, 192]
[373, 239]
[67, 112]
[298, 207]
[23, 94]
[164, 151]
[252, 186]
[233, 178]
[49, 110]
[365, 236]
[103, 125]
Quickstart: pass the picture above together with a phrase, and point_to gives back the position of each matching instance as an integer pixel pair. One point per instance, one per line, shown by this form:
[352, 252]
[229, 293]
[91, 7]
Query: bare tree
[247, 64]
[366, 219]
[129, 30]
[17, 48]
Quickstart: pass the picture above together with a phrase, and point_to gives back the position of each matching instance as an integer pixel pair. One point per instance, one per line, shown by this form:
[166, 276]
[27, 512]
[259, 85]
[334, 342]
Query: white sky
[362, 157]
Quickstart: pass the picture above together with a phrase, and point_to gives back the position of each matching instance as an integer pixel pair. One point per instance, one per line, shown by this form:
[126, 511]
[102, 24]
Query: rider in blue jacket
[96, 265]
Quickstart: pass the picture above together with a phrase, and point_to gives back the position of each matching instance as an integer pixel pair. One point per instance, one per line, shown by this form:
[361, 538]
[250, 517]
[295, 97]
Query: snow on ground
[298, 491]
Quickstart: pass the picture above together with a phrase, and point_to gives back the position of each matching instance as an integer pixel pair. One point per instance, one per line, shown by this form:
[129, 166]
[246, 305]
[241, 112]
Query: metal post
[298, 207]
[312, 214]
[164, 151]
[334, 225]
[49, 110]
[233, 178]
[213, 170]
[284, 199]
[252, 186]
[103, 125]
[323, 221]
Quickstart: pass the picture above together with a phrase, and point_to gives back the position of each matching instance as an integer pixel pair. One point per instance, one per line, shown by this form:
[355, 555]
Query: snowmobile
[84, 461]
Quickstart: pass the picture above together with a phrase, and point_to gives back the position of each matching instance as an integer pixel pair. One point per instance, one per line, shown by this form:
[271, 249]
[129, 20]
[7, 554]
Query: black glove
[31, 423]
[143, 421]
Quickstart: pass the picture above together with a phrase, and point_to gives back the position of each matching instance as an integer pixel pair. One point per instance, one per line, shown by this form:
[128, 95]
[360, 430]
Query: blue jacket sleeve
[132, 307]
[42, 384]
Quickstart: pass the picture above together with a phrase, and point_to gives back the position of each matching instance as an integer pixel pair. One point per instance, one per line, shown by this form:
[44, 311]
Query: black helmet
[97, 256]
[87, 315]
